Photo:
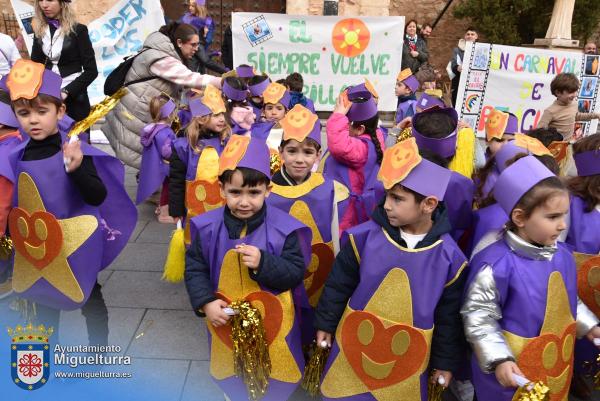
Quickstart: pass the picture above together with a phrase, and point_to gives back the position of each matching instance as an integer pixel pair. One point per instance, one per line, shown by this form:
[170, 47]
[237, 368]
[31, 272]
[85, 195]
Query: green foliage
[515, 22]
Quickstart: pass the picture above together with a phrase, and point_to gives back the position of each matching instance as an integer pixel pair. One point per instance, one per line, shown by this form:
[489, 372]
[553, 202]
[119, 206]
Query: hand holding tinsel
[313, 371]
[436, 388]
[6, 247]
[251, 360]
[530, 391]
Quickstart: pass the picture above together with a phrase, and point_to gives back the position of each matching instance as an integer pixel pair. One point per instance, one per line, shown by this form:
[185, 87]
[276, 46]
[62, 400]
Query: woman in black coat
[414, 50]
[64, 46]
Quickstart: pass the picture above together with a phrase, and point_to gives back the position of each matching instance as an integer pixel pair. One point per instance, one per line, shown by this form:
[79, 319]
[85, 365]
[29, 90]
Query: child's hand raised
[505, 373]
[250, 255]
[73, 155]
[407, 122]
[342, 104]
[214, 312]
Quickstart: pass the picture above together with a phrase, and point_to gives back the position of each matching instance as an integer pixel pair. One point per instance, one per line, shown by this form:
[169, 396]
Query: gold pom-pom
[314, 369]
[251, 360]
[174, 268]
[537, 391]
[434, 391]
[275, 162]
[464, 159]
[6, 247]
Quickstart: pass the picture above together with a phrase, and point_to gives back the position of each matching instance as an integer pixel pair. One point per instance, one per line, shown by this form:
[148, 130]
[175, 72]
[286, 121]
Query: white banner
[120, 32]
[331, 53]
[517, 79]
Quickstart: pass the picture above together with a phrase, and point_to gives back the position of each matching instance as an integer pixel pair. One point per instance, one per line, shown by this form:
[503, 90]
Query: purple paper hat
[402, 164]
[407, 78]
[28, 79]
[517, 179]
[512, 127]
[363, 105]
[199, 109]
[300, 123]
[167, 109]
[245, 151]
[507, 152]
[427, 101]
[444, 147]
[7, 116]
[234, 94]
[588, 163]
[245, 71]
[259, 88]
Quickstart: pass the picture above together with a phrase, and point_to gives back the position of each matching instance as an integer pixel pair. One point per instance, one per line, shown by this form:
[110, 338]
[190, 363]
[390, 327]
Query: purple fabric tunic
[490, 182]
[201, 192]
[155, 167]
[362, 204]
[584, 234]
[232, 282]
[527, 289]
[485, 220]
[89, 244]
[406, 109]
[7, 144]
[393, 304]
[312, 203]
[459, 202]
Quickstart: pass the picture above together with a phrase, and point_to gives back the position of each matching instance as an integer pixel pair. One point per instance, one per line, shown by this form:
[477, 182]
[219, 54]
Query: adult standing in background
[64, 46]
[426, 31]
[164, 57]
[590, 48]
[414, 50]
[9, 54]
[227, 44]
[458, 55]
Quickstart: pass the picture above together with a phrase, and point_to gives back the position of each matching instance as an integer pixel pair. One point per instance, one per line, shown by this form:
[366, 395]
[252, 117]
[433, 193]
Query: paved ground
[150, 319]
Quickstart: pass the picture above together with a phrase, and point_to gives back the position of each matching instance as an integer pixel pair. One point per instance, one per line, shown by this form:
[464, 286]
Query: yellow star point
[58, 272]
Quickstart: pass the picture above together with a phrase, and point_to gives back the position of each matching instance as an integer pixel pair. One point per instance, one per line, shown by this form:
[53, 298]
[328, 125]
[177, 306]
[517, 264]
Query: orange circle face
[533, 145]
[398, 161]
[233, 152]
[350, 37]
[588, 283]
[298, 123]
[273, 93]
[25, 79]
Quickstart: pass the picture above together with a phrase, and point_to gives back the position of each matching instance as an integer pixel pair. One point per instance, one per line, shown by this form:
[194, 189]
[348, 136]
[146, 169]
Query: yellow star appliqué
[57, 271]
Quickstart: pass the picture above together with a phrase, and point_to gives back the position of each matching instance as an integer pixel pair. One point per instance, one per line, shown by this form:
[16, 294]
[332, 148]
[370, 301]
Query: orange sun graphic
[350, 37]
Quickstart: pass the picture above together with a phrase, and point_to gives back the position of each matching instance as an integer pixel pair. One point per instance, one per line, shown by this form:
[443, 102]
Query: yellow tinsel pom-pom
[463, 161]
[311, 382]
[532, 392]
[6, 248]
[434, 391]
[175, 264]
[251, 360]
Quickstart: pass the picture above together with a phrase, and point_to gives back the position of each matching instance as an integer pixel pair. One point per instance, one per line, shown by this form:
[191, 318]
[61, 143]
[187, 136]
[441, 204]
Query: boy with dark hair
[295, 84]
[398, 275]
[248, 250]
[563, 113]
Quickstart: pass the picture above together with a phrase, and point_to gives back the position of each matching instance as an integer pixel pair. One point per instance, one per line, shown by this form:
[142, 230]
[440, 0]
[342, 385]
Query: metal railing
[9, 25]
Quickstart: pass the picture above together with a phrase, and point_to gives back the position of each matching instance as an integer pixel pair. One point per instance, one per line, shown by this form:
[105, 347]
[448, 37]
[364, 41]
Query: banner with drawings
[517, 79]
[330, 52]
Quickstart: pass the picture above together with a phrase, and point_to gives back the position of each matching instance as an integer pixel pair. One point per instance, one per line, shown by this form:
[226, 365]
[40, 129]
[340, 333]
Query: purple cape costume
[154, 168]
[485, 220]
[63, 242]
[538, 300]
[312, 203]
[362, 204]
[382, 343]
[459, 202]
[584, 232]
[405, 109]
[201, 180]
[231, 281]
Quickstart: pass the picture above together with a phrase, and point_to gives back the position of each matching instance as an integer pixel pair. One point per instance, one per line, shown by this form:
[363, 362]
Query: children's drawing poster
[517, 79]
[331, 52]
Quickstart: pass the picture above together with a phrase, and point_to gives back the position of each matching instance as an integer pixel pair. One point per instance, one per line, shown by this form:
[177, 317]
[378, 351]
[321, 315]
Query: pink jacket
[352, 152]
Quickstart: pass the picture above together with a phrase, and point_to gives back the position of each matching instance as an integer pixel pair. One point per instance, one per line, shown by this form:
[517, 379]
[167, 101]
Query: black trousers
[94, 311]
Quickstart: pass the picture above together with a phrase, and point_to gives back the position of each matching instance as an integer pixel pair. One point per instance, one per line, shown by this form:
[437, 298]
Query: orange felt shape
[391, 354]
[37, 237]
[213, 100]
[402, 75]
[234, 152]
[398, 161]
[559, 150]
[298, 123]
[549, 357]
[200, 194]
[268, 304]
[588, 283]
[273, 93]
[25, 79]
[317, 274]
[532, 144]
[496, 124]
[371, 88]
